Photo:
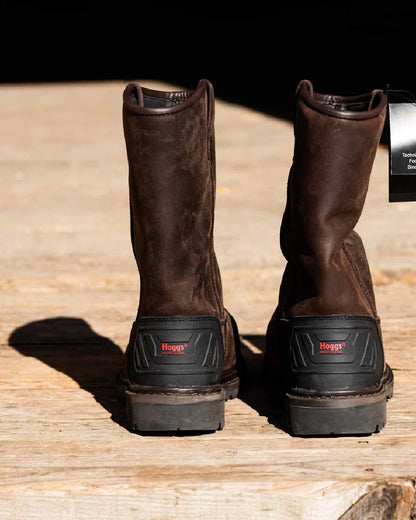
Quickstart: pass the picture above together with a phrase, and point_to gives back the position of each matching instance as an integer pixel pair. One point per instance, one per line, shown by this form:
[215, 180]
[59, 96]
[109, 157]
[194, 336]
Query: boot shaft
[336, 139]
[170, 147]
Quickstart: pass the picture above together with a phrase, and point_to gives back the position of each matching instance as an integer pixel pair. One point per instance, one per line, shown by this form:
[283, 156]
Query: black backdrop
[254, 54]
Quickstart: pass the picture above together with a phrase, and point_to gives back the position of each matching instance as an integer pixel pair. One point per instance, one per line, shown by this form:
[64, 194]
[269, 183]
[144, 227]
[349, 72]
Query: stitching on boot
[163, 318]
[334, 317]
[357, 274]
[213, 266]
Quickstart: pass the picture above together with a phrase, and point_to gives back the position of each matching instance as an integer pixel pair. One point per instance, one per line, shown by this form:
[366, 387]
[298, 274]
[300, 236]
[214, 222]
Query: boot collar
[362, 106]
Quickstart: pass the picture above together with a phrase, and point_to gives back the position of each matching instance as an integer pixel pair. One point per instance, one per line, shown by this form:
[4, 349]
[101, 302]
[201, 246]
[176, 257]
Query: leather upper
[172, 191]
[336, 139]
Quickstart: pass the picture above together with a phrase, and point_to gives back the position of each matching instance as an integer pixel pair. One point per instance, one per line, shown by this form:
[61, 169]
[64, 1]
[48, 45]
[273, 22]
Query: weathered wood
[69, 292]
[385, 502]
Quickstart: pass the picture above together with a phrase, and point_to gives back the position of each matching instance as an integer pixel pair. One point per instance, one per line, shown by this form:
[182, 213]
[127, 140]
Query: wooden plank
[69, 291]
[323, 502]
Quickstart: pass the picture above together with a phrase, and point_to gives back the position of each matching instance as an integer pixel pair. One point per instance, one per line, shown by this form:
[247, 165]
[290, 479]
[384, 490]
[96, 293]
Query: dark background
[263, 51]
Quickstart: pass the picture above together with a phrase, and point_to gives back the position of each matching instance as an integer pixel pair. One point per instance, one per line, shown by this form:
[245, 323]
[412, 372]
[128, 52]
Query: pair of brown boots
[324, 353]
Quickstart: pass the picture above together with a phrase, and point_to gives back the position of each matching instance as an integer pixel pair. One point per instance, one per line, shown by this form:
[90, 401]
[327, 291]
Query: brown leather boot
[180, 364]
[323, 345]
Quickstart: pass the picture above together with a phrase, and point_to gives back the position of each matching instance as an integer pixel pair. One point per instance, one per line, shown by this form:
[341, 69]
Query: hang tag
[402, 145]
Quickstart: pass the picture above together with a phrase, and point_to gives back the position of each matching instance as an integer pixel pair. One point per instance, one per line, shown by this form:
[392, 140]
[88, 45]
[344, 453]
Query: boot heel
[336, 381]
[174, 375]
[353, 415]
[175, 411]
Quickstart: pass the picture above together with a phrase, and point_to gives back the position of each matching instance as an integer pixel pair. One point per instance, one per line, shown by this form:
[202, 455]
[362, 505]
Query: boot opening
[154, 99]
[371, 102]
[358, 104]
[154, 102]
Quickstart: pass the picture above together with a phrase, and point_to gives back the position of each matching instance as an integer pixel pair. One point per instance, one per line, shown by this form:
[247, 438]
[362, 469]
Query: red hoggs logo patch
[331, 348]
[178, 349]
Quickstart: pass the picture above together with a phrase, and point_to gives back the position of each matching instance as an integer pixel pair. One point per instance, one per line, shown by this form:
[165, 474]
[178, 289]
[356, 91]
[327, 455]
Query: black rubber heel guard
[335, 353]
[176, 351]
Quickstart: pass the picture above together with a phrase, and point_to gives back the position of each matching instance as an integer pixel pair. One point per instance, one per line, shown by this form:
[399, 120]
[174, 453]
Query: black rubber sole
[181, 409]
[336, 415]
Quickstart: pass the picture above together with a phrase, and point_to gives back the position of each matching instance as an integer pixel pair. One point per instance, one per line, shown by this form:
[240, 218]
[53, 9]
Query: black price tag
[402, 146]
[402, 138]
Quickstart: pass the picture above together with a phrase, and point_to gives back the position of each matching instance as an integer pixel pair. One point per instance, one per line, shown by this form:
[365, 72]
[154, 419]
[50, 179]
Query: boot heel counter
[176, 351]
[335, 353]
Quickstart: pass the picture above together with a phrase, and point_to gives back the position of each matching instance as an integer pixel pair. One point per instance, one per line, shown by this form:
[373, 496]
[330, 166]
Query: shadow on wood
[72, 347]
[253, 394]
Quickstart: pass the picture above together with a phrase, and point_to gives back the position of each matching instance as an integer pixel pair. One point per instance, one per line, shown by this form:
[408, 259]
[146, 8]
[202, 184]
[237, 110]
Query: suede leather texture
[327, 270]
[171, 156]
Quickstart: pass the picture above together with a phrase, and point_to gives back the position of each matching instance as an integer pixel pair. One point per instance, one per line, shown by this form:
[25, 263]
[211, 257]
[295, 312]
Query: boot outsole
[346, 415]
[180, 409]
